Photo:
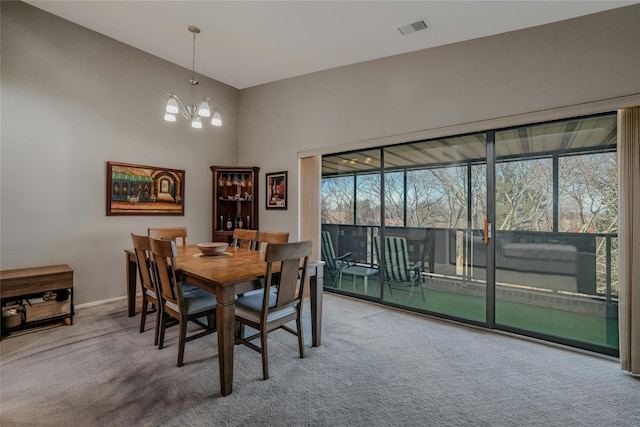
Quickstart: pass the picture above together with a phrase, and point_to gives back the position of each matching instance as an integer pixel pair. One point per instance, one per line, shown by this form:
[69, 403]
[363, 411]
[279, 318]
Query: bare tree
[337, 200]
[524, 195]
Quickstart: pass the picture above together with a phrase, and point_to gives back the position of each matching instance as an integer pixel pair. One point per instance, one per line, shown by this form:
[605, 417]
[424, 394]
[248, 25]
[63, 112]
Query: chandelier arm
[182, 107]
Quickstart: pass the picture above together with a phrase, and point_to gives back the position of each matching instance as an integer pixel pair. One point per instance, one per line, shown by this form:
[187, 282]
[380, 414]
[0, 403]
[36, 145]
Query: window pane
[588, 193]
[588, 203]
[337, 200]
[429, 188]
[368, 199]
[394, 195]
[524, 195]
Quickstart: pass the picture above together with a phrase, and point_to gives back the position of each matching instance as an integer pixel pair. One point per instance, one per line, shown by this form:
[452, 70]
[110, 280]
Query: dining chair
[243, 238]
[275, 306]
[150, 293]
[169, 234]
[266, 237]
[333, 264]
[397, 270]
[177, 304]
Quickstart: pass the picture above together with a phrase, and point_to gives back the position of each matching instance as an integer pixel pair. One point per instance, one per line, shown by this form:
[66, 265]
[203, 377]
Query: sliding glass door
[434, 206]
[556, 225]
[513, 229]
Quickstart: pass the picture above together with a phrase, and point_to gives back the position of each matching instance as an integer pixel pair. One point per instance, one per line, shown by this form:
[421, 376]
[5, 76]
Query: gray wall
[72, 100]
[565, 64]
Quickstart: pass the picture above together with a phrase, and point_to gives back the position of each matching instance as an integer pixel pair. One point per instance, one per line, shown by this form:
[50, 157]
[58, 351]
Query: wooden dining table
[237, 271]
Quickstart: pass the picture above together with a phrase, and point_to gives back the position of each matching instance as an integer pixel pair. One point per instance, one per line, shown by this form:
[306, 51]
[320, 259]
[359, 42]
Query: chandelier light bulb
[169, 117]
[172, 107]
[196, 123]
[204, 110]
[216, 120]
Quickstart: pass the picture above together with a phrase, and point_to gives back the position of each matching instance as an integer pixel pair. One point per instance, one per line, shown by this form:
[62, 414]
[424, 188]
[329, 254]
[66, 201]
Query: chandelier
[192, 112]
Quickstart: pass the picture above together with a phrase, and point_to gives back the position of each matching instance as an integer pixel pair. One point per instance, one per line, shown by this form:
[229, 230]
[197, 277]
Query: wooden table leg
[316, 292]
[131, 268]
[225, 323]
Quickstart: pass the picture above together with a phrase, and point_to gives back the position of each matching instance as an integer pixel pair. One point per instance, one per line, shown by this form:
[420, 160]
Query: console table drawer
[24, 281]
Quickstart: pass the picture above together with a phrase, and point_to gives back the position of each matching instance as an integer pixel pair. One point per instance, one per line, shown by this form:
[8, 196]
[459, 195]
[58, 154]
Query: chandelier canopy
[192, 112]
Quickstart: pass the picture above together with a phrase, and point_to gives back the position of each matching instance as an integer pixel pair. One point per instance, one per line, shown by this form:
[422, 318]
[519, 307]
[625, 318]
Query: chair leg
[300, 337]
[240, 329]
[265, 359]
[163, 327]
[411, 292]
[375, 288]
[157, 328]
[211, 321]
[181, 341]
[143, 315]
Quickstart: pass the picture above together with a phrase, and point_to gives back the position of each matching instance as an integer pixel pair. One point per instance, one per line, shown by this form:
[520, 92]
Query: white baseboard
[104, 301]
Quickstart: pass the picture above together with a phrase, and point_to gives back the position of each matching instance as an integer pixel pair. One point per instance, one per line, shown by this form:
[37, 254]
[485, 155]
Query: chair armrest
[344, 256]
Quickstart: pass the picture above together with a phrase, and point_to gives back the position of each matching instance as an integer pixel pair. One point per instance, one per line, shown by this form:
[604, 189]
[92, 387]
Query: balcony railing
[589, 258]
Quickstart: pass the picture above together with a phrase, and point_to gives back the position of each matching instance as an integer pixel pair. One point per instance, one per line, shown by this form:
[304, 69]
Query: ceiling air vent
[412, 28]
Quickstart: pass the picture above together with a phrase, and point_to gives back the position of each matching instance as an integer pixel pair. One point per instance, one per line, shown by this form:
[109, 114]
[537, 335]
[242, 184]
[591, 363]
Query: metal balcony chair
[334, 265]
[398, 273]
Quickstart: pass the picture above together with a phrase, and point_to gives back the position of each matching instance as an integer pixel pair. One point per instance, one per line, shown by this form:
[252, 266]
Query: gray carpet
[376, 367]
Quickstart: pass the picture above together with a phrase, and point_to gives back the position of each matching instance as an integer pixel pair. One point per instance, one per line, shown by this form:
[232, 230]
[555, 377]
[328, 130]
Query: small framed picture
[276, 190]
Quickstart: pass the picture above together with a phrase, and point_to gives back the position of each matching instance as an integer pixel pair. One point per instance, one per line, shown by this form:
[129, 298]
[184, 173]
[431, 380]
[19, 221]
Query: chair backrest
[266, 237]
[163, 256]
[244, 238]
[290, 283]
[169, 234]
[142, 249]
[327, 251]
[396, 258]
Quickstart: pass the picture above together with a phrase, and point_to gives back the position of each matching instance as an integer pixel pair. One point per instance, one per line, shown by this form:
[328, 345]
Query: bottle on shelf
[229, 226]
[240, 222]
[235, 222]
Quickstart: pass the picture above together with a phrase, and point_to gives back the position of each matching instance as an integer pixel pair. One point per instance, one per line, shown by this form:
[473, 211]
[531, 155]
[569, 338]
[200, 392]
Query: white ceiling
[247, 43]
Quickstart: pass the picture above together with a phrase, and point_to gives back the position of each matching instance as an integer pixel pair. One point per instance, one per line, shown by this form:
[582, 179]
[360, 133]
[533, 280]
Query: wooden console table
[30, 282]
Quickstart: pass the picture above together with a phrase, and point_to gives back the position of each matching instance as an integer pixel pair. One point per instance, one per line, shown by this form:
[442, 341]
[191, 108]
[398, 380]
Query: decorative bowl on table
[212, 248]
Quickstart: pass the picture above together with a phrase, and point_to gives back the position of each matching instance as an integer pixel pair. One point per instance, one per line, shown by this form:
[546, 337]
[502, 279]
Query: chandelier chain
[193, 63]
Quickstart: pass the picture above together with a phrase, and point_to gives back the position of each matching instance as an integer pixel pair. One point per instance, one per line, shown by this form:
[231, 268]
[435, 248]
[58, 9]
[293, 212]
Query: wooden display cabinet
[235, 196]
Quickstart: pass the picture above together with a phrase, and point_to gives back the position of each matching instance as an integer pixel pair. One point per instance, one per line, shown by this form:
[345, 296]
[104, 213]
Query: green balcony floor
[590, 329]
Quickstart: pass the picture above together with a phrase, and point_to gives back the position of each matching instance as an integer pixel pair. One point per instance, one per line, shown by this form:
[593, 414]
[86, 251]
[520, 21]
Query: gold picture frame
[144, 190]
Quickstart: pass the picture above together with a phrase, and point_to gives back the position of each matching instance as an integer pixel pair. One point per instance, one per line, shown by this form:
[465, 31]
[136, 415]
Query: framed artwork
[276, 190]
[144, 190]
